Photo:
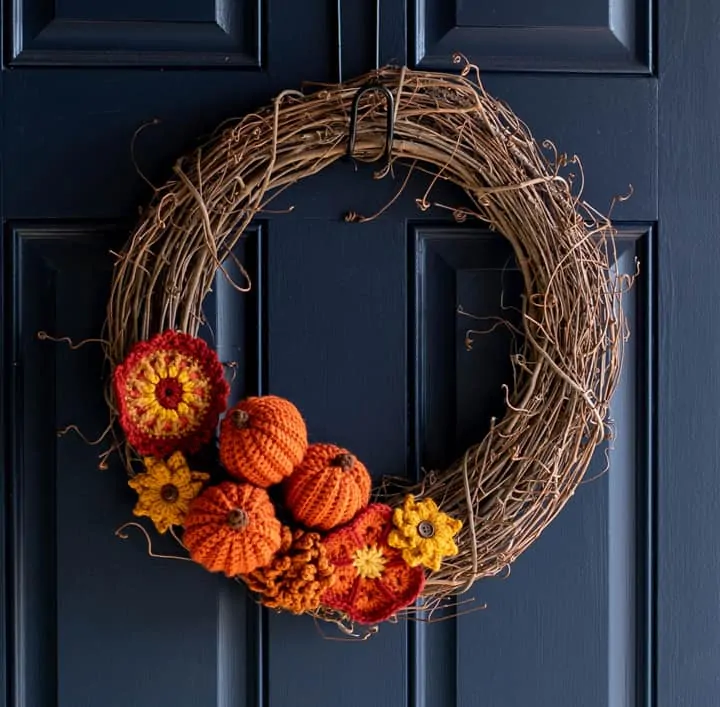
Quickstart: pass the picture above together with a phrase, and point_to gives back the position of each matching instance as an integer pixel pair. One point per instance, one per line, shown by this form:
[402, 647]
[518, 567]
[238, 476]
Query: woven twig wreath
[509, 486]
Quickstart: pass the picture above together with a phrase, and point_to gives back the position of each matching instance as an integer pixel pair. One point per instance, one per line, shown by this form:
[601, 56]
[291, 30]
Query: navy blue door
[615, 605]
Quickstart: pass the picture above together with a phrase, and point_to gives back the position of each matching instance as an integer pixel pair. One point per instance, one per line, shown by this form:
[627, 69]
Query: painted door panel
[365, 327]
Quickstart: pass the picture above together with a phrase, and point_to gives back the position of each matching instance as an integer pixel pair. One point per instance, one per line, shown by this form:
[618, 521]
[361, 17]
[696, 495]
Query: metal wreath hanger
[372, 86]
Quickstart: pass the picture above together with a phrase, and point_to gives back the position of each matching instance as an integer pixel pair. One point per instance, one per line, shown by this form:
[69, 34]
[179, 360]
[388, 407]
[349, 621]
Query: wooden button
[169, 493]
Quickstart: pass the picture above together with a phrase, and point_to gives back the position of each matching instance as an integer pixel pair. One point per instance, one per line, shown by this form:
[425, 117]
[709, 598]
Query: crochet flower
[297, 576]
[372, 581]
[170, 391]
[423, 533]
[165, 490]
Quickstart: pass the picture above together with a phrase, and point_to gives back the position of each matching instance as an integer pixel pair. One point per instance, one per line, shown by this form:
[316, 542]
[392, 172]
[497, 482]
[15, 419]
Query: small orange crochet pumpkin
[232, 528]
[262, 439]
[328, 488]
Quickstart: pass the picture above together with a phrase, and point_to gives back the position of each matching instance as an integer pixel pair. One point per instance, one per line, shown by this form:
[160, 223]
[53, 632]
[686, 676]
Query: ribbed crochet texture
[232, 528]
[262, 439]
[328, 488]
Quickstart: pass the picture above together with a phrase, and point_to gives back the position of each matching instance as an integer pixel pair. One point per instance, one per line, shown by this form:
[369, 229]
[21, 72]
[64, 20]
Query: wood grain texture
[65, 511]
[602, 36]
[223, 33]
[689, 381]
[89, 620]
[588, 574]
[336, 347]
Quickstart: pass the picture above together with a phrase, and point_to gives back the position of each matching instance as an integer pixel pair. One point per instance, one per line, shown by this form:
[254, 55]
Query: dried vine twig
[510, 485]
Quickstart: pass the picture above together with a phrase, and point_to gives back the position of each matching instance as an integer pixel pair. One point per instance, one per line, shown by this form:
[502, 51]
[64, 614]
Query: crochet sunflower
[165, 490]
[423, 533]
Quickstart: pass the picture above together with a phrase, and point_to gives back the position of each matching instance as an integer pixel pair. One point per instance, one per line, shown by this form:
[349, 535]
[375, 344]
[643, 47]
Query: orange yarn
[328, 488]
[297, 577]
[262, 439]
[232, 528]
[372, 581]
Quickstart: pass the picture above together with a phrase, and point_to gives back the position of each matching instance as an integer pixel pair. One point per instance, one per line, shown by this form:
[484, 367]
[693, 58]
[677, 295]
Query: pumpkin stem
[238, 519]
[240, 418]
[346, 461]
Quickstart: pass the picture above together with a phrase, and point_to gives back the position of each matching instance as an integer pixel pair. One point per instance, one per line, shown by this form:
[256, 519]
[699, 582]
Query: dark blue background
[615, 605]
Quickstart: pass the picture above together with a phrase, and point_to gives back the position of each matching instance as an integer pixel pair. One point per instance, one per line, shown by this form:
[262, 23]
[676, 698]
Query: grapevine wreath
[300, 524]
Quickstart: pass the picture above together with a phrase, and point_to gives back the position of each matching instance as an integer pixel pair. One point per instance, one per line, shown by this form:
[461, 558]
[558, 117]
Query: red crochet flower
[170, 391]
[372, 581]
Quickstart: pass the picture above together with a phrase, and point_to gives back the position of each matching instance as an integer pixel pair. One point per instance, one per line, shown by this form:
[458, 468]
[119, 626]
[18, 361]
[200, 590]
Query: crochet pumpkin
[297, 576]
[232, 528]
[262, 439]
[328, 488]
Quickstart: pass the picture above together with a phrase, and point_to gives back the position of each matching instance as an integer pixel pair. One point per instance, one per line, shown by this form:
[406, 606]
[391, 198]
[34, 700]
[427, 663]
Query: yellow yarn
[189, 400]
[423, 533]
[369, 562]
[166, 489]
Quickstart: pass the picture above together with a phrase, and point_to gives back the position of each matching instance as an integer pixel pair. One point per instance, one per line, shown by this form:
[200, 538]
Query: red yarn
[372, 581]
[170, 391]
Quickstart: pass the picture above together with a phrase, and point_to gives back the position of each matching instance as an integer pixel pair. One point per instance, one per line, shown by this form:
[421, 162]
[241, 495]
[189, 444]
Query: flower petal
[155, 429]
[370, 600]
[340, 547]
[151, 502]
[422, 548]
[341, 594]
[372, 526]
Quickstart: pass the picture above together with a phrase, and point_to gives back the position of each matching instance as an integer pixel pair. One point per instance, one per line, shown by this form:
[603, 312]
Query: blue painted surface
[358, 324]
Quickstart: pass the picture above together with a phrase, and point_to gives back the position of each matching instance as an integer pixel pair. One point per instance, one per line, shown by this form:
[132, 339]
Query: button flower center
[169, 493]
[425, 529]
[165, 490]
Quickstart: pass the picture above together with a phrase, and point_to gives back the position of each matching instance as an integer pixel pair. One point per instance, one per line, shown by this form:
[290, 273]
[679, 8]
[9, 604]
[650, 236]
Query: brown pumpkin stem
[238, 519]
[240, 418]
[346, 461]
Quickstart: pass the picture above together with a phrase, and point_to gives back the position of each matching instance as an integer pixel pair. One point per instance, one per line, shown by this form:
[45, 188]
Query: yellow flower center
[369, 562]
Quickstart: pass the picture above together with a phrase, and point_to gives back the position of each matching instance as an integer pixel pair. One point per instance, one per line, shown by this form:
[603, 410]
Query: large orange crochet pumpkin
[328, 488]
[262, 439]
[232, 528]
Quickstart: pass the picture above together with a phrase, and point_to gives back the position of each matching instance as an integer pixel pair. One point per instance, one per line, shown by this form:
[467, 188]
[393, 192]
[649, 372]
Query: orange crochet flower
[170, 391]
[297, 576]
[372, 581]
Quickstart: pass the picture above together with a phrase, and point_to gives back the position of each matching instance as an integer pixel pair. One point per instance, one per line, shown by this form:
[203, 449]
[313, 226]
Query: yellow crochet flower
[423, 533]
[166, 489]
[369, 562]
